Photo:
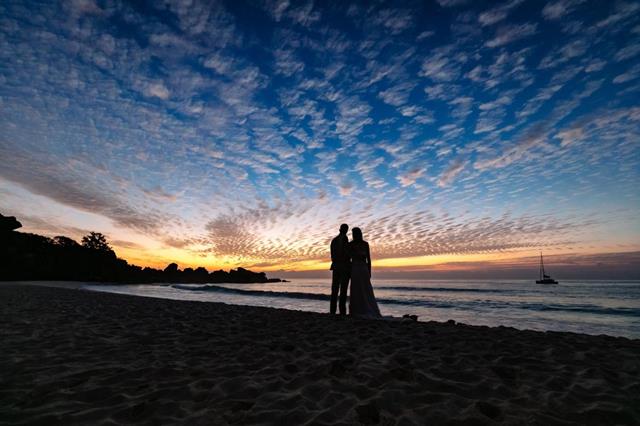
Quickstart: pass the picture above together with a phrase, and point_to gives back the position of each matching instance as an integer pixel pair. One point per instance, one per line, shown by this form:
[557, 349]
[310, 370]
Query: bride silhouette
[362, 301]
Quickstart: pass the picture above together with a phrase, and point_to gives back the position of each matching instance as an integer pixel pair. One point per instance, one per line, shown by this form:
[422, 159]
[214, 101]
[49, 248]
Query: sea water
[592, 307]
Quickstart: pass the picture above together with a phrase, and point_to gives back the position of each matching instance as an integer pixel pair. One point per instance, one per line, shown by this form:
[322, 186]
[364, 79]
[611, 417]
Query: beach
[580, 306]
[71, 356]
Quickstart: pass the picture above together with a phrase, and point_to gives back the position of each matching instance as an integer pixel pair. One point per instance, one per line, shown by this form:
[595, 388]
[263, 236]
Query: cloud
[218, 63]
[160, 194]
[125, 244]
[54, 181]
[394, 20]
[397, 95]
[510, 33]
[158, 90]
[595, 65]
[497, 14]
[452, 3]
[440, 67]
[353, 116]
[569, 137]
[631, 74]
[84, 7]
[559, 8]
[438, 235]
[188, 123]
[535, 103]
[533, 138]
[287, 63]
[346, 189]
[623, 10]
[276, 8]
[565, 54]
[304, 15]
[627, 52]
[230, 235]
[410, 177]
[199, 18]
[451, 172]
[425, 35]
[491, 17]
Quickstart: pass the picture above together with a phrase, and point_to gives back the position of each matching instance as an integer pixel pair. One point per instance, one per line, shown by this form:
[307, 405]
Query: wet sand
[78, 357]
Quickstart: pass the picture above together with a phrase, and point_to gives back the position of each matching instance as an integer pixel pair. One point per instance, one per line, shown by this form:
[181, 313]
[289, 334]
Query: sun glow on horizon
[441, 263]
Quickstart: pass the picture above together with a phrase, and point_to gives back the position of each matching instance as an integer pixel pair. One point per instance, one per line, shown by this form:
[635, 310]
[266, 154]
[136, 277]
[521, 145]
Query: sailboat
[544, 278]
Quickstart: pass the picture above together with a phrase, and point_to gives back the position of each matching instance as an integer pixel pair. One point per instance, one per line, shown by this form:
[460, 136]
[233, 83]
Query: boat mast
[541, 266]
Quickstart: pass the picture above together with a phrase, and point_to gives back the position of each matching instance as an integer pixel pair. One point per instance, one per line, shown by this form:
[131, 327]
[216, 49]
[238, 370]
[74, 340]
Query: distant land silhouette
[25, 256]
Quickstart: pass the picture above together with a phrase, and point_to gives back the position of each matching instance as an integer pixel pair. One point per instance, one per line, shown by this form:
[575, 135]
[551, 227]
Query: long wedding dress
[362, 301]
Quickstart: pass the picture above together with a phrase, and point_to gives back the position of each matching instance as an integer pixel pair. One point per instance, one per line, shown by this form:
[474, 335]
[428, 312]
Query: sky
[461, 136]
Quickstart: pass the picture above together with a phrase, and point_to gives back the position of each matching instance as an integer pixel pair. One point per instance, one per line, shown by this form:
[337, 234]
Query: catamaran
[544, 278]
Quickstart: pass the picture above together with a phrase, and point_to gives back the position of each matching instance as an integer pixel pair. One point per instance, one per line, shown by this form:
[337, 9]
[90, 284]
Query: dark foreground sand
[77, 357]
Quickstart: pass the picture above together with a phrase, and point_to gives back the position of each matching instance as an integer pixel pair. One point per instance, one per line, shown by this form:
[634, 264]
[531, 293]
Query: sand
[80, 357]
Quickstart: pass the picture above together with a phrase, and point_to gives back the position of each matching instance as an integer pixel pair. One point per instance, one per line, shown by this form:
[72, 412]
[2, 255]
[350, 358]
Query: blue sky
[225, 133]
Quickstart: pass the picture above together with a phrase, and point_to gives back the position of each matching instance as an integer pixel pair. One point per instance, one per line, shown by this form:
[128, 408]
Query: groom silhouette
[341, 267]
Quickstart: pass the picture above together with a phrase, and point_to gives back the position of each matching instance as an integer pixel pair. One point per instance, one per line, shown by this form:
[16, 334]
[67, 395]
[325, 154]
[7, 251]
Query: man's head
[344, 228]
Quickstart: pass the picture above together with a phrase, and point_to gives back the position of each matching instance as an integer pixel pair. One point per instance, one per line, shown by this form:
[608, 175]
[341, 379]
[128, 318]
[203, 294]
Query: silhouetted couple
[352, 261]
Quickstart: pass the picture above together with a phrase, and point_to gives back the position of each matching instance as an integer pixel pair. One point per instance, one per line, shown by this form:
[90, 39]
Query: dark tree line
[26, 256]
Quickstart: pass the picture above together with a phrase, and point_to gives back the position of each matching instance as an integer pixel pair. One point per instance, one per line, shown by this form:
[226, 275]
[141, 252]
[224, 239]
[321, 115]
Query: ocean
[591, 307]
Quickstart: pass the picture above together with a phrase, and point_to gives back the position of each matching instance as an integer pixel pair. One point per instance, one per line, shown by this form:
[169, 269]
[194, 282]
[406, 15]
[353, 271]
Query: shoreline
[78, 285]
[77, 357]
